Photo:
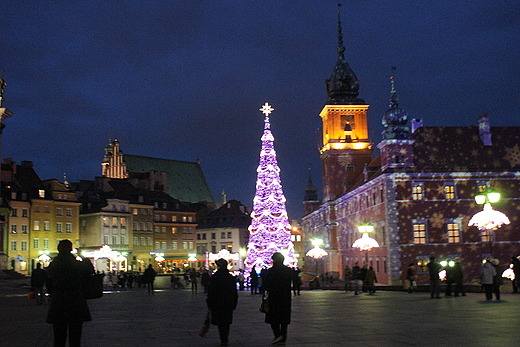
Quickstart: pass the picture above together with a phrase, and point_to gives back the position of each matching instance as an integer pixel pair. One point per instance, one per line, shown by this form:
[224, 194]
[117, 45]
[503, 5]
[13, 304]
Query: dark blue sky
[185, 79]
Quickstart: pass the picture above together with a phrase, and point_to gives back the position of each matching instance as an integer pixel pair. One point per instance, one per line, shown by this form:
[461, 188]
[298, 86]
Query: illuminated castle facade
[418, 193]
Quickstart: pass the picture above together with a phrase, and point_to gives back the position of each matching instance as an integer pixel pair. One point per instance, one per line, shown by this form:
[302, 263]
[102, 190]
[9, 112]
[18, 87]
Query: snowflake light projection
[270, 230]
[488, 219]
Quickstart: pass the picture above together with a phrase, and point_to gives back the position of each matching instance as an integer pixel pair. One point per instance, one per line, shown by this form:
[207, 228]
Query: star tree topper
[267, 109]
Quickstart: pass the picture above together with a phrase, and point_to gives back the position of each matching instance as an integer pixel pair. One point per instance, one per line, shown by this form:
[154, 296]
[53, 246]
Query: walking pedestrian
[38, 279]
[149, 278]
[193, 280]
[222, 299]
[487, 273]
[68, 307]
[357, 279]
[370, 280]
[278, 286]
[296, 281]
[497, 279]
[433, 268]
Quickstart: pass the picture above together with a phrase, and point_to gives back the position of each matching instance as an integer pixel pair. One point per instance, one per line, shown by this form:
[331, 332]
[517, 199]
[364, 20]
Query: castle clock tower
[346, 148]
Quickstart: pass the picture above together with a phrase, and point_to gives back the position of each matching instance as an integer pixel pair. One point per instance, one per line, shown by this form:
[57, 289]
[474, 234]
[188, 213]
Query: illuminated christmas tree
[270, 230]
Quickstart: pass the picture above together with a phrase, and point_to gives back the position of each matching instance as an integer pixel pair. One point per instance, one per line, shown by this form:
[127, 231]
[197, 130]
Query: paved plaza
[172, 317]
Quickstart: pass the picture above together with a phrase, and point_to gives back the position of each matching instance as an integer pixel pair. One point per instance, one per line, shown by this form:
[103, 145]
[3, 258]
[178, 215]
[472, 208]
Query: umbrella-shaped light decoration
[488, 219]
[317, 252]
[365, 243]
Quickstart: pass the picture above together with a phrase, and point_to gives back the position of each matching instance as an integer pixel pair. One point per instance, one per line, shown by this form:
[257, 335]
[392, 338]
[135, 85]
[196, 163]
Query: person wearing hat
[68, 308]
[278, 286]
[497, 279]
[222, 299]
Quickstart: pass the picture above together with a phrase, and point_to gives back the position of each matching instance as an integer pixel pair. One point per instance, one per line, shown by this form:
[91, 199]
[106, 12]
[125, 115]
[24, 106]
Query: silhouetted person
[149, 278]
[435, 287]
[222, 299]
[68, 308]
[278, 286]
[497, 279]
[516, 269]
[458, 277]
[487, 273]
[38, 279]
[296, 281]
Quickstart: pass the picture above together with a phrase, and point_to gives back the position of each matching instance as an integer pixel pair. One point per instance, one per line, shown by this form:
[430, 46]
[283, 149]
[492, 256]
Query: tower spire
[395, 119]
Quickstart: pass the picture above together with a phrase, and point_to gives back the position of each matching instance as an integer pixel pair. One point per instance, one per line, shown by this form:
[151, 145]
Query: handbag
[205, 326]
[94, 287]
[264, 306]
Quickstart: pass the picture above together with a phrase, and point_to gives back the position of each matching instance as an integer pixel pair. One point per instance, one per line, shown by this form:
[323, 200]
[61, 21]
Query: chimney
[484, 129]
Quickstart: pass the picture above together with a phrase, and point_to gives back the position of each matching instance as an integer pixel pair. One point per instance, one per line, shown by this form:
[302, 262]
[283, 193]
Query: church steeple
[343, 84]
[395, 119]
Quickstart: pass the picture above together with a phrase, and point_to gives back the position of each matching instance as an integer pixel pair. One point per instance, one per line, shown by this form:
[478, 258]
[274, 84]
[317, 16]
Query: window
[68, 228]
[449, 191]
[68, 212]
[59, 212]
[105, 239]
[163, 245]
[24, 228]
[482, 187]
[122, 208]
[114, 221]
[374, 199]
[453, 233]
[142, 211]
[14, 212]
[382, 196]
[46, 243]
[37, 208]
[36, 243]
[174, 230]
[185, 245]
[122, 222]
[36, 225]
[142, 240]
[190, 245]
[190, 230]
[163, 218]
[13, 229]
[157, 229]
[136, 226]
[157, 244]
[149, 241]
[163, 230]
[47, 209]
[190, 219]
[41, 193]
[143, 226]
[486, 235]
[157, 217]
[46, 225]
[419, 233]
[24, 246]
[423, 265]
[13, 195]
[350, 168]
[114, 240]
[13, 245]
[213, 237]
[25, 212]
[105, 221]
[135, 211]
[229, 236]
[136, 241]
[204, 236]
[149, 226]
[174, 245]
[123, 239]
[222, 235]
[59, 227]
[184, 230]
[184, 218]
[417, 192]
[174, 218]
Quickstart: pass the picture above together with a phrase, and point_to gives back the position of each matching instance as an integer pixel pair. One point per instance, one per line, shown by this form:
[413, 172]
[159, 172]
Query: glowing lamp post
[365, 243]
[488, 219]
[316, 252]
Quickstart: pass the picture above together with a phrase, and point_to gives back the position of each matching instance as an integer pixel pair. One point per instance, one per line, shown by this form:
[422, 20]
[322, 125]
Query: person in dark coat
[516, 269]
[497, 279]
[278, 286]
[254, 281]
[38, 279]
[297, 281]
[370, 280]
[222, 299]
[435, 287]
[68, 308]
[458, 277]
[204, 280]
[149, 278]
[356, 276]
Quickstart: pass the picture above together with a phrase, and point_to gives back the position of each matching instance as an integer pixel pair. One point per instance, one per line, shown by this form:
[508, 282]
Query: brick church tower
[346, 148]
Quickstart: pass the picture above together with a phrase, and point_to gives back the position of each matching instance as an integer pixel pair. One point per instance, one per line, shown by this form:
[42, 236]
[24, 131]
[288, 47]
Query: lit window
[114, 221]
[13, 229]
[419, 233]
[122, 221]
[46, 225]
[453, 233]
[41, 193]
[486, 235]
[449, 191]
[174, 218]
[105, 221]
[135, 211]
[184, 218]
[298, 238]
[174, 230]
[423, 265]
[417, 192]
[190, 219]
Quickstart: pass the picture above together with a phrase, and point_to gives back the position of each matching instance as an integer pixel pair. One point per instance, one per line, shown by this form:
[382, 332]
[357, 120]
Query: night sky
[184, 80]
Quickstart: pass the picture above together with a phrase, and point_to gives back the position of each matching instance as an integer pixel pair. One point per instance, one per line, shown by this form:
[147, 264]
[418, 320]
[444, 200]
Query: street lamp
[365, 243]
[316, 252]
[488, 219]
